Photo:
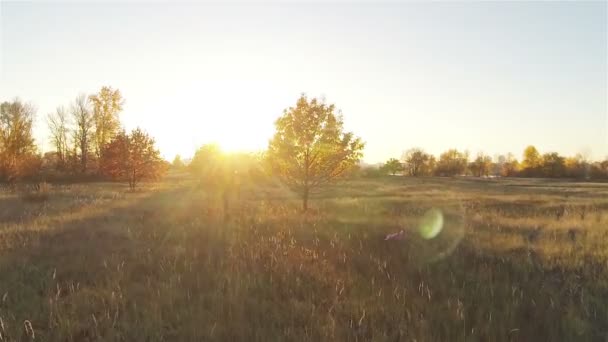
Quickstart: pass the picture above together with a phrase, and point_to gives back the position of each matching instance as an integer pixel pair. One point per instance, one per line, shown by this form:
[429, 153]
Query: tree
[417, 162]
[58, 127]
[452, 163]
[577, 166]
[310, 148]
[83, 131]
[178, 163]
[510, 166]
[132, 158]
[107, 105]
[553, 165]
[392, 166]
[18, 157]
[531, 162]
[481, 165]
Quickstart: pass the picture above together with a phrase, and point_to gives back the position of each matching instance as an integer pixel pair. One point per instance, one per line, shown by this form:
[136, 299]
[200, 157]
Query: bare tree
[83, 132]
[58, 127]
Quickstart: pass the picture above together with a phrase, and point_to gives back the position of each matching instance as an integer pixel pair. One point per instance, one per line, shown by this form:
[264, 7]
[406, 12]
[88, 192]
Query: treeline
[87, 139]
[416, 162]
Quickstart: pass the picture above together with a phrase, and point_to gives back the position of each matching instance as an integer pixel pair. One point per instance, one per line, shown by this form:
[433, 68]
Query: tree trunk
[305, 199]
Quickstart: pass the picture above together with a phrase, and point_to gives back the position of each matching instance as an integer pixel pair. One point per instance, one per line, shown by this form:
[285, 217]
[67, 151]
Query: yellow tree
[417, 162]
[481, 165]
[17, 148]
[532, 161]
[107, 105]
[310, 148]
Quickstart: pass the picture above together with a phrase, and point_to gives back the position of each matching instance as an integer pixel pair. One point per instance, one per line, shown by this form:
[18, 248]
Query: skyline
[491, 77]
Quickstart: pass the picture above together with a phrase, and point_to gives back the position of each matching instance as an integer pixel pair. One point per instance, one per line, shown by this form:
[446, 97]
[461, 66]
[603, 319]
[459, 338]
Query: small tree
[58, 127]
[417, 162]
[178, 163]
[392, 166]
[452, 163]
[132, 157]
[310, 148]
[481, 165]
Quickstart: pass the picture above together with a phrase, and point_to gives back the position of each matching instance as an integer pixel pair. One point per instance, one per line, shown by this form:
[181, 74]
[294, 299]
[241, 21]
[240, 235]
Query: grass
[517, 260]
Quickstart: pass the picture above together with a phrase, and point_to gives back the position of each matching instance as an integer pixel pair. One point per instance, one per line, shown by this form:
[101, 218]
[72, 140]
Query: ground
[517, 260]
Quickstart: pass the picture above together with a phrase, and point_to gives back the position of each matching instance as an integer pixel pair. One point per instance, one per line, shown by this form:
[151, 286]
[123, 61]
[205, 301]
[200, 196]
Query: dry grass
[517, 260]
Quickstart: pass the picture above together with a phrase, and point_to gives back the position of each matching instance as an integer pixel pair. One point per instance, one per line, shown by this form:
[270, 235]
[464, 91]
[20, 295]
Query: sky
[481, 76]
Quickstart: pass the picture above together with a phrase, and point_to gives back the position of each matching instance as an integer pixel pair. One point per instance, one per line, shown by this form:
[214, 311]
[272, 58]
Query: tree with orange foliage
[132, 158]
[18, 157]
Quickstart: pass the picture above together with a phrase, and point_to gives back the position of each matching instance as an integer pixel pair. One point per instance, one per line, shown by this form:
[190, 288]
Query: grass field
[517, 260]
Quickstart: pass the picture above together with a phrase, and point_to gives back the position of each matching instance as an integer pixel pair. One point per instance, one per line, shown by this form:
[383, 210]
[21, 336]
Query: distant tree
[59, 130]
[392, 166]
[452, 163]
[18, 157]
[106, 107]
[310, 148]
[510, 166]
[178, 163]
[417, 162]
[132, 158]
[481, 165]
[577, 166]
[553, 165]
[83, 131]
[532, 162]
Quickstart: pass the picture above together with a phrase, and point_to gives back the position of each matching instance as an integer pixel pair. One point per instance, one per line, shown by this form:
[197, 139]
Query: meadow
[517, 260]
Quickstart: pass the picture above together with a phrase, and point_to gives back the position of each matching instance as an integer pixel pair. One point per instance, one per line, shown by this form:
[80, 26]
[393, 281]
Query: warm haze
[479, 76]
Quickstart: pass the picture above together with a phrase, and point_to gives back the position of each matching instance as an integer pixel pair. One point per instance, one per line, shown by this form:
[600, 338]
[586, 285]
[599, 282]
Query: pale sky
[490, 77]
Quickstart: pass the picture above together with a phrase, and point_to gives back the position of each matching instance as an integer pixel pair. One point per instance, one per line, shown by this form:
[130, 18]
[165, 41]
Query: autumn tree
[553, 165]
[18, 158]
[452, 163]
[106, 107]
[310, 148]
[481, 165]
[417, 162]
[83, 131]
[177, 163]
[392, 166]
[510, 166]
[132, 158]
[577, 166]
[532, 161]
[59, 130]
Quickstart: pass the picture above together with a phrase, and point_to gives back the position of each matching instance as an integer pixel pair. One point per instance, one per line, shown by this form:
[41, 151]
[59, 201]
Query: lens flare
[431, 224]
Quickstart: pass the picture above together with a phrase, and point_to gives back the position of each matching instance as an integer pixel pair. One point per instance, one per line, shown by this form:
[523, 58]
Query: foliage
[18, 158]
[132, 157]
[391, 166]
[178, 163]
[452, 163]
[310, 148]
[553, 165]
[418, 163]
[106, 106]
[481, 165]
[532, 162]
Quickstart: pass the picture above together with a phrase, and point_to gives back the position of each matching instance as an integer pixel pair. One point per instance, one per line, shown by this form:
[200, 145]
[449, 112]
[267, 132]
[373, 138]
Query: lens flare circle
[431, 224]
